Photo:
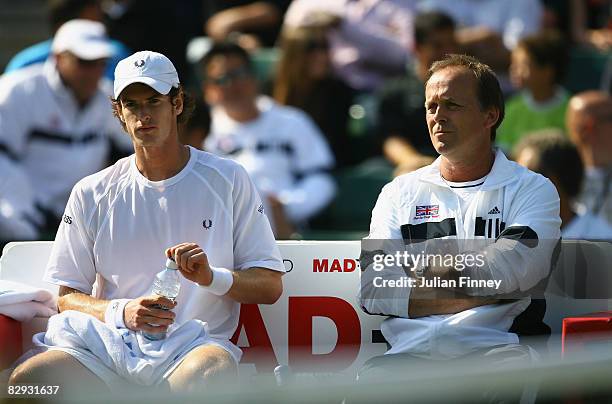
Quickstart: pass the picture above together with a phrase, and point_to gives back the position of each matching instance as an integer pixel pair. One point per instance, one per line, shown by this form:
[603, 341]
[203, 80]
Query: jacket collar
[503, 172]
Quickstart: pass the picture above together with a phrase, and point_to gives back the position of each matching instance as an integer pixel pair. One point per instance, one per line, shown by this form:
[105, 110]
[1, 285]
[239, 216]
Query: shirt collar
[502, 172]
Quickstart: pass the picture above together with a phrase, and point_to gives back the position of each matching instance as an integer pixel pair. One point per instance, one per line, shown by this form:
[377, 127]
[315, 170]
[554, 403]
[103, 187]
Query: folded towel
[125, 352]
[26, 311]
[23, 302]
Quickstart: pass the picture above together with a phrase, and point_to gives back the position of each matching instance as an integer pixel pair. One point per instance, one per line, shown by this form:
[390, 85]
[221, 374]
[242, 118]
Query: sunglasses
[230, 76]
[91, 63]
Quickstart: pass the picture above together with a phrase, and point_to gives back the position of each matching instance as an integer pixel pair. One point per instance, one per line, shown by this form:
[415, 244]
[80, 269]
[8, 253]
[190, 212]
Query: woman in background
[304, 80]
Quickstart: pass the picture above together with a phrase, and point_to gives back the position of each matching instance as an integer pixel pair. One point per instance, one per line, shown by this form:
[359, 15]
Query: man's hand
[192, 262]
[145, 314]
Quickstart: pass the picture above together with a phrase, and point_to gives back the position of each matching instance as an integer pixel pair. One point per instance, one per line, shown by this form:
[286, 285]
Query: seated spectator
[489, 29]
[19, 219]
[370, 40]
[550, 153]
[304, 80]
[537, 69]
[589, 123]
[401, 112]
[61, 11]
[55, 118]
[280, 147]
[252, 24]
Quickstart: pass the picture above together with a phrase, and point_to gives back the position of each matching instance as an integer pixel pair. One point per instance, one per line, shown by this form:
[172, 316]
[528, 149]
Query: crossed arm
[430, 301]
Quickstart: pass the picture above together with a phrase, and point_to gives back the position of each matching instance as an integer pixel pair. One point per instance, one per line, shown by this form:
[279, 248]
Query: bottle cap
[170, 264]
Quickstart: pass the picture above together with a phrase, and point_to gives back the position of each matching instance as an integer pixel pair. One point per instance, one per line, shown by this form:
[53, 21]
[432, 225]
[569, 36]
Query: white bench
[316, 322]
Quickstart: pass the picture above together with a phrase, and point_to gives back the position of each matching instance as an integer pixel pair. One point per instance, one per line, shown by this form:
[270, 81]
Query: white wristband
[113, 316]
[222, 281]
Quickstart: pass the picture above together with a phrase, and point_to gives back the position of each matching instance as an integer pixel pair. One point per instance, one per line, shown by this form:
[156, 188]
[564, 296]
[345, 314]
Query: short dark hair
[488, 90]
[61, 11]
[428, 23]
[556, 156]
[225, 49]
[182, 119]
[200, 118]
[547, 49]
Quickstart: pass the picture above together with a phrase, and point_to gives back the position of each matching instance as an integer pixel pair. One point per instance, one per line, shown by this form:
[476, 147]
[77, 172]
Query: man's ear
[117, 108]
[178, 103]
[492, 117]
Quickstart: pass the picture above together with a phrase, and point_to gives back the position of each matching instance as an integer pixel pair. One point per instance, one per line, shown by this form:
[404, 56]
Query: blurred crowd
[304, 93]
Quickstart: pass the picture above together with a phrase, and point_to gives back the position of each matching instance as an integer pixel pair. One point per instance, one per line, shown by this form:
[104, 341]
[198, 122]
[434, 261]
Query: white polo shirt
[118, 224]
[53, 139]
[284, 153]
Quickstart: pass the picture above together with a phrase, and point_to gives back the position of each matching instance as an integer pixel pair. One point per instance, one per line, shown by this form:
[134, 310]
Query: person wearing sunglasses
[55, 122]
[281, 147]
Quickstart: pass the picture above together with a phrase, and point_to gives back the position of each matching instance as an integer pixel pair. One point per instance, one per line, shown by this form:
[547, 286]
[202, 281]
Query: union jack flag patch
[427, 211]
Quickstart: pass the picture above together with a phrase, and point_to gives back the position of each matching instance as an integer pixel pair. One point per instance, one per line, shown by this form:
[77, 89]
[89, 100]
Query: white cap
[83, 38]
[170, 264]
[146, 67]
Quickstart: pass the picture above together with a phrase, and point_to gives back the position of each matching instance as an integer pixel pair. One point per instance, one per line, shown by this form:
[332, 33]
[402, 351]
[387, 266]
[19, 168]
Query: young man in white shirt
[475, 201]
[166, 200]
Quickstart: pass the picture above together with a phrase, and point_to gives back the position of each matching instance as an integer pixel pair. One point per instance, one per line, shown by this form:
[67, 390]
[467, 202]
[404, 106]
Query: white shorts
[117, 383]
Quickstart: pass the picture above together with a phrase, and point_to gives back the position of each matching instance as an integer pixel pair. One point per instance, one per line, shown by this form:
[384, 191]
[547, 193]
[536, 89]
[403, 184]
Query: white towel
[126, 353]
[23, 302]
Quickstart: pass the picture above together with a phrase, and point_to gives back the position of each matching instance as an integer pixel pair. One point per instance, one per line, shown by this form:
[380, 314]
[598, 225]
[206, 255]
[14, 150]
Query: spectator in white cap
[167, 200]
[55, 122]
[60, 12]
[81, 49]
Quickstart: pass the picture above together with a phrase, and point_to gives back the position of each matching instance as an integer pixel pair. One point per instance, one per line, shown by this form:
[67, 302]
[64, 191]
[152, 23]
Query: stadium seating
[358, 189]
[585, 69]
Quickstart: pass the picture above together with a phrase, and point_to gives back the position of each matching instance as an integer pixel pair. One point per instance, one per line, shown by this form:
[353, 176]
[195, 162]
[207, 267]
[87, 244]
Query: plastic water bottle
[167, 283]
